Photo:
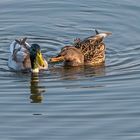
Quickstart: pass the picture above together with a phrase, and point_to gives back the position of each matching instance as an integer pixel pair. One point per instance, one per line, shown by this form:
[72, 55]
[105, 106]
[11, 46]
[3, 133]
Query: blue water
[83, 103]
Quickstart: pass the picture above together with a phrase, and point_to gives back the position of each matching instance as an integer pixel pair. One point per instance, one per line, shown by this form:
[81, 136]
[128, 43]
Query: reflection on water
[36, 90]
[82, 103]
[73, 73]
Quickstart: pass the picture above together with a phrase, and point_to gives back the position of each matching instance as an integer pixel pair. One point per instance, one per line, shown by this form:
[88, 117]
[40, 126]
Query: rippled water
[81, 103]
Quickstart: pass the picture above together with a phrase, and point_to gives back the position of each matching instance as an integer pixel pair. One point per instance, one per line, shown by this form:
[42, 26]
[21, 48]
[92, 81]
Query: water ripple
[71, 103]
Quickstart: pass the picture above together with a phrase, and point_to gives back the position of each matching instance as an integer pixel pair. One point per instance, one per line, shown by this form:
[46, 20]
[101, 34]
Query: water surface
[82, 103]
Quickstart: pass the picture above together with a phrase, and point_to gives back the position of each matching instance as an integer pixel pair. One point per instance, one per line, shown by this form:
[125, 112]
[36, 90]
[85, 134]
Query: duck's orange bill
[57, 59]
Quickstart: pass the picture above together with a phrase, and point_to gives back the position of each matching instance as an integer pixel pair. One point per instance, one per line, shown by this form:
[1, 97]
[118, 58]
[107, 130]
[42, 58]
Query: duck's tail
[103, 34]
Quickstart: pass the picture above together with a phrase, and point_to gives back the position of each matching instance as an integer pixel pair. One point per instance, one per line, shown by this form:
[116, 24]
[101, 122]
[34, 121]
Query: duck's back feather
[19, 56]
[93, 48]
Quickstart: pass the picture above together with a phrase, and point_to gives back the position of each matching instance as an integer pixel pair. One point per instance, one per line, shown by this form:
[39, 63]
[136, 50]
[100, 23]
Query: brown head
[70, 55]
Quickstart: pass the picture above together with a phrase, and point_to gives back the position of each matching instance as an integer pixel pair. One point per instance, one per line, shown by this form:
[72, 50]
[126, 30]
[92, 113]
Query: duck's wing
[95, 40]
[95, 56]
[27, 62]
[93, 46]
[19, 52]
[19, 58]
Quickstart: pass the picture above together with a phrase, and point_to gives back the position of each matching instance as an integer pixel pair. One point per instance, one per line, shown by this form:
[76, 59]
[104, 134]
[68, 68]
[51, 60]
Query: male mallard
[90, 51]
[24, 57]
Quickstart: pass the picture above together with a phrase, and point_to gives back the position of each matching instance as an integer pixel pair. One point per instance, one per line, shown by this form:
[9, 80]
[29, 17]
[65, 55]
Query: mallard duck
[90, 51]
[24, 57]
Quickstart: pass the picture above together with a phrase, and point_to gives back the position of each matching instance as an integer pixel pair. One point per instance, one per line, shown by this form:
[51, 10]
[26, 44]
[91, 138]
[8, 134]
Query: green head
[36, 58]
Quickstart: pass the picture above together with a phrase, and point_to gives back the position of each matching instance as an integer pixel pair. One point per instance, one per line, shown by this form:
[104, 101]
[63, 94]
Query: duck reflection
[36, 90]
[73, 73]
[91, 71]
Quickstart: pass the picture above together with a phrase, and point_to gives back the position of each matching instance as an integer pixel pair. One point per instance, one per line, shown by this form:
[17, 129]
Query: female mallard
[90, 51]
[24, 57]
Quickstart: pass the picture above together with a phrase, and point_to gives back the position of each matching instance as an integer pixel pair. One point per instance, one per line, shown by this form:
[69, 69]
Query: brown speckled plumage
[92, 49]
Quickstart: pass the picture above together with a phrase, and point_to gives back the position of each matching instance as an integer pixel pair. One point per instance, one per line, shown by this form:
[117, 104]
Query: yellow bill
[40, 59]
